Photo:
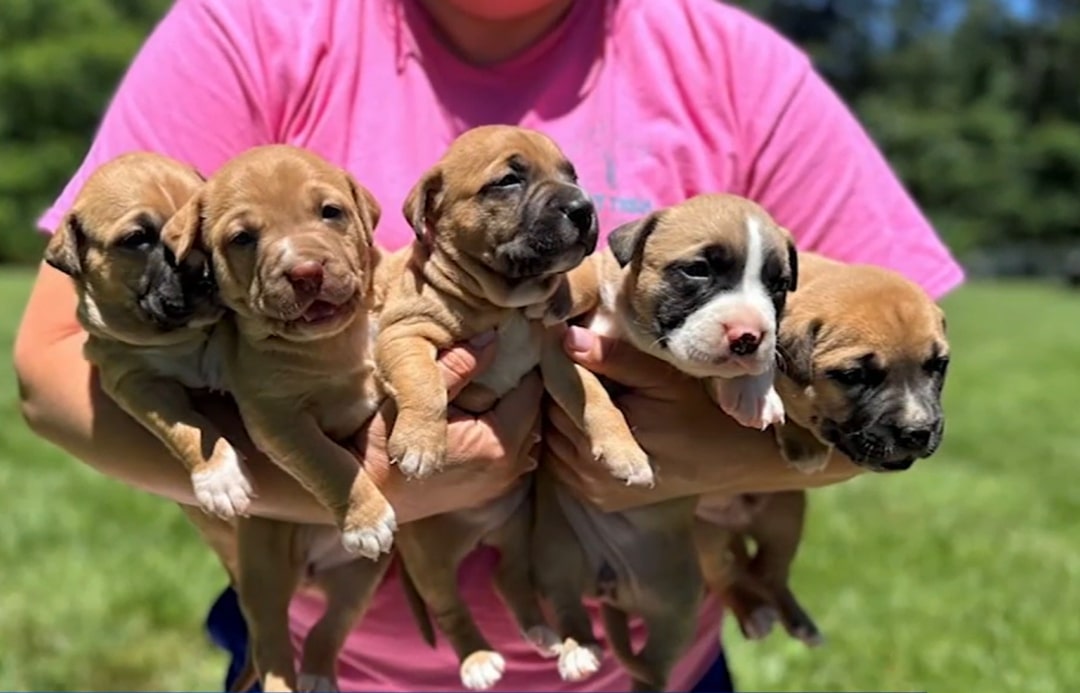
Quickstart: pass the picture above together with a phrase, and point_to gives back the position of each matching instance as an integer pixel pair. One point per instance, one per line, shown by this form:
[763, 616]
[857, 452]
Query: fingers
[617, 360]
[463, 362]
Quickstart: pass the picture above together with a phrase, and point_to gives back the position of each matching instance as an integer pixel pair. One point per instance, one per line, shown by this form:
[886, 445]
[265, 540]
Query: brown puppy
[290, 238]
[700, 285]
[864, 355]
[148, 315]
[499, 221]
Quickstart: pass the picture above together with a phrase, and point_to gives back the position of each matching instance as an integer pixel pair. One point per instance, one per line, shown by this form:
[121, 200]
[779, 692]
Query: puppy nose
[581, 212]
[742, 340]
[306, 277]
[914, 438]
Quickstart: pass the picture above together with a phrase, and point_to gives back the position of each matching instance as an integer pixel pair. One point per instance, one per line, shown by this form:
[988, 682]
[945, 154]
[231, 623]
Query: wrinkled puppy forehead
[483, 152]
[139, 183]
[730, 224]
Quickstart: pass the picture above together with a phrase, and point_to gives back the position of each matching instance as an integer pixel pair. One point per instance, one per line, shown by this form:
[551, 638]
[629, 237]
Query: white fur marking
[578, 662]
[224, 490]
[369, 542]
[482, 670]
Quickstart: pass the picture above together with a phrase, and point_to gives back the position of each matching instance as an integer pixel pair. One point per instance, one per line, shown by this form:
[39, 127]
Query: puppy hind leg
[432, 553]
[670, 629]
[514, 584]
[713, 545]
[348, 589]
[269, 573]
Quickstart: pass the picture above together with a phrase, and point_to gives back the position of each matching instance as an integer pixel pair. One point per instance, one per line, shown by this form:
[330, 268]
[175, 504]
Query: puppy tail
[617, 629]
[418, 608]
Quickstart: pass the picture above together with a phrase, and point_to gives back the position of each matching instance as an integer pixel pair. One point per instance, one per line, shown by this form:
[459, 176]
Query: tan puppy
[864, 355]
[499, 221]
[700, 285]
[290, 237]
[148, 315]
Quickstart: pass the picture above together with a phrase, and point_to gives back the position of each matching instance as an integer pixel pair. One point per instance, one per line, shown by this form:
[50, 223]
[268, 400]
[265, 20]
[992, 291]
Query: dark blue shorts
[227, 630]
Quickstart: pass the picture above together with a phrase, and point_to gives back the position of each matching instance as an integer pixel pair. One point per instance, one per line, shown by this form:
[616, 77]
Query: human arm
[63, 403]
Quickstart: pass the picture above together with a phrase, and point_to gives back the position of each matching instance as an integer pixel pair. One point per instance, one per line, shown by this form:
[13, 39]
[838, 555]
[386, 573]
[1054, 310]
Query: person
[653, 101]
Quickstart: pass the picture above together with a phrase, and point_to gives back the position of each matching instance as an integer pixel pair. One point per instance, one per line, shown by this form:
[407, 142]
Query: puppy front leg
[581, 395]
[750, 399]
[164, 408]
[407, 366]
[578, 293]
[328, 471]
[801, 448]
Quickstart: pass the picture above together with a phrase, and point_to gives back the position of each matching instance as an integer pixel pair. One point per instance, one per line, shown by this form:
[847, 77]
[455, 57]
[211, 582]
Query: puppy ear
[183, 231]
[63, 250]
[793, 259]
[627, 241]
[369, 208]
[422, 199]
[795, 346]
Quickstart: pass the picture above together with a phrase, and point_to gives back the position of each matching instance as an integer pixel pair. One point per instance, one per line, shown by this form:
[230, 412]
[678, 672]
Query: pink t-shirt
[653, 100]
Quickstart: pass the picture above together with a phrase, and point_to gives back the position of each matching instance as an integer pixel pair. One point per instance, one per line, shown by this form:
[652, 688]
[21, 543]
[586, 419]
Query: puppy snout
[306, 277]
[581, 212]
[743, 340]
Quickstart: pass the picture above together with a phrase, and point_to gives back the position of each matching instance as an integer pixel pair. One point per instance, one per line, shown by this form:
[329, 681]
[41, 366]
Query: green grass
[961, 574]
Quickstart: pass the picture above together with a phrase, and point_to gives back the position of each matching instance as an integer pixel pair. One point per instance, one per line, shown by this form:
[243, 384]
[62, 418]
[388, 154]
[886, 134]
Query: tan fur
[145, 368]
[448, 288]
[303, 385]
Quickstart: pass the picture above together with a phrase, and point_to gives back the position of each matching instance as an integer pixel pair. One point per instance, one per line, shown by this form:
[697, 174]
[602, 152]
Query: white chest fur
[197, 366]
[519, 345]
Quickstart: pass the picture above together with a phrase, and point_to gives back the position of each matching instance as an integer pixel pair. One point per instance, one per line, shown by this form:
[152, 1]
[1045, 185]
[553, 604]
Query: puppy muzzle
[306, 283]
[884, 446]
[558, 229]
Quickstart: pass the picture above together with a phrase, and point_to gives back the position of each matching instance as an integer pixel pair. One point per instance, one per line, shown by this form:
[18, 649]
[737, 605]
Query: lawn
[958, 575]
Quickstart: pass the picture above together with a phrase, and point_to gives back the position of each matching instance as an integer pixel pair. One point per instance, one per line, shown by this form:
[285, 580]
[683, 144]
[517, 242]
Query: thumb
[463, 362]
[617, 360]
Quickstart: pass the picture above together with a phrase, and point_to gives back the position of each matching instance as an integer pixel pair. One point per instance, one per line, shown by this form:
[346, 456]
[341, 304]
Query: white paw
[626, 463]
[419, 464]
[578, 662]
[544, 641]
[482, 670]
[313, 683]
[224, 490]
[761, 622]
[372, 540]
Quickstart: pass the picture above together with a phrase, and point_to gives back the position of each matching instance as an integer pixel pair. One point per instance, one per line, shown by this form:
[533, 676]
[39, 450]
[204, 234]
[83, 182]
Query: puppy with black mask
[150, 319]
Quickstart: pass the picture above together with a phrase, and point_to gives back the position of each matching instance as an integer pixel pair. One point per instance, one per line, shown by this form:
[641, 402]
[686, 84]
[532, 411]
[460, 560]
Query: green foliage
[59, 64]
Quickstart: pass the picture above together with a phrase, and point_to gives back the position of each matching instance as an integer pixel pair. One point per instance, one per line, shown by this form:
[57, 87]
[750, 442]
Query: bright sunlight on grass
[961, 574]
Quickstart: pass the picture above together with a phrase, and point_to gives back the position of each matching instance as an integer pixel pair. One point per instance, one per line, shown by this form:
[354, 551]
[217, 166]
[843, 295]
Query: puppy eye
[699, 269]
[938, 364]
[780, 286]
[507, 181]
[243, 238]
[331, 212]
[137, 239]
[857, 377]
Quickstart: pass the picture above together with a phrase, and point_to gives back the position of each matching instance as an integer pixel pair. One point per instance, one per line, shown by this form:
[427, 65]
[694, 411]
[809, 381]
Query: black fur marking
[692, 282]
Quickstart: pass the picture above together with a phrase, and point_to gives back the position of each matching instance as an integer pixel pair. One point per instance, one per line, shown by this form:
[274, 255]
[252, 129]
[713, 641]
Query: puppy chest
[518, 352]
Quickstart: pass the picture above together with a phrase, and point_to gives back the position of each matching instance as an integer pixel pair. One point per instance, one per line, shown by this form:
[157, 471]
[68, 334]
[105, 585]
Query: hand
[487, 454]
[695, 447]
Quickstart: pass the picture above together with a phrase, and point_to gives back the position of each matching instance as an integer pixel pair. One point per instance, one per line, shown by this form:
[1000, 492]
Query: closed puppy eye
[862, 376]
[242, 238]
[938, 364]
[137, 238]
[508, 181]
[331, 212]
[698, 269]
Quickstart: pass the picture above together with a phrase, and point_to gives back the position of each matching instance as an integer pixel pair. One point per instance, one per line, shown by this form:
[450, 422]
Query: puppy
[149, 315]
[290, 238]
[499, 220]
[700, 285]
[864, 355]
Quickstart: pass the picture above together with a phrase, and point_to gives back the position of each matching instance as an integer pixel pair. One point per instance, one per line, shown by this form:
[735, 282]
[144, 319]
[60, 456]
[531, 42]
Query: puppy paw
[748, 402]
[481, 670]
[627, 463]
[543, 640]
[578, 662]
[760, 623]
[419, 451]
[802, 450]
[223, 488]
[315, 683]
[370, 539]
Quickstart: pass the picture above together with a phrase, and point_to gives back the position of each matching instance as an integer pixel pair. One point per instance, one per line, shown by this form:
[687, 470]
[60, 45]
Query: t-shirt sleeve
[806, 159]
[196, 91]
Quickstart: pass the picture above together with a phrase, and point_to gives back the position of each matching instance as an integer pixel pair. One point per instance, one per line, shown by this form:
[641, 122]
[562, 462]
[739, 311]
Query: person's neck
[483, 41]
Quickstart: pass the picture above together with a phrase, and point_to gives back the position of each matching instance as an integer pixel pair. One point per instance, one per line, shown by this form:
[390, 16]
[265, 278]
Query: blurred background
[962, 574]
